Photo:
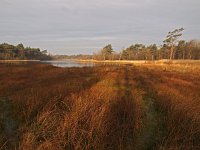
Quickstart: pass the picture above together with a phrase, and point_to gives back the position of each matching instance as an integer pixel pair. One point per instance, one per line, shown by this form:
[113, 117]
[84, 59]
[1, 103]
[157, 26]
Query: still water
[57, 63]
[69, 63]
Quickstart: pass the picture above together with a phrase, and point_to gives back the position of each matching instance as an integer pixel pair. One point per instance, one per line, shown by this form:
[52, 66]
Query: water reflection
[69, 63]
[59, 63]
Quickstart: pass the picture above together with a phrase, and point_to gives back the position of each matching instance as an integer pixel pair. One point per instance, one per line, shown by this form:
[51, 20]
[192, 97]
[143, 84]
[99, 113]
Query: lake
[69, 63]
[57, 63]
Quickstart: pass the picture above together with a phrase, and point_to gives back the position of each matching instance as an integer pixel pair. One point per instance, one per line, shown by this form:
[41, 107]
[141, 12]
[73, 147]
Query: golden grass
[105, 107]
[177, 96]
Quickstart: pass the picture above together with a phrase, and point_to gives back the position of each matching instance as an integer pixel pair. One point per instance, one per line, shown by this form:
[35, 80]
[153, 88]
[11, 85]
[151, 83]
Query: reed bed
[105, 107]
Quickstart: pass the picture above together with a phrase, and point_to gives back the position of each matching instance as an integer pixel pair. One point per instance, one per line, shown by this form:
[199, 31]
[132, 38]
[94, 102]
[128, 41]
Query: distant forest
[19, 52]
[172, 48]
[183, 50]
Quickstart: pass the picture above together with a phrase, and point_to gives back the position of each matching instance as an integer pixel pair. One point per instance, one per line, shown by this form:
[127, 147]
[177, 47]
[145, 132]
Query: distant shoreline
[164, 61]
[19, 60]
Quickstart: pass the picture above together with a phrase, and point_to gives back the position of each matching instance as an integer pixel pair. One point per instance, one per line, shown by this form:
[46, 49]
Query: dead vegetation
[109, 107]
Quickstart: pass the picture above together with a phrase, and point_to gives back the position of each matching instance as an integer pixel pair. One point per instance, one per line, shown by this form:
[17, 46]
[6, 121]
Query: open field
[126, 107]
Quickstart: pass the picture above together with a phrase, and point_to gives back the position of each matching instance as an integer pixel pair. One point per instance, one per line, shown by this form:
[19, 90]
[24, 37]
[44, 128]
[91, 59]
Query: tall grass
[109, 107]
[178, 98]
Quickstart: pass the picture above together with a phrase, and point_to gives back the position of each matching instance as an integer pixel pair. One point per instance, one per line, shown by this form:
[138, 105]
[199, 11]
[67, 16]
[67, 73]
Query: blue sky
[85, 26]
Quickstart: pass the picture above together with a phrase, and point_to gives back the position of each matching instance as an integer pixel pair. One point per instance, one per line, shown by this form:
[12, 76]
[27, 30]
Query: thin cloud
[61, 25]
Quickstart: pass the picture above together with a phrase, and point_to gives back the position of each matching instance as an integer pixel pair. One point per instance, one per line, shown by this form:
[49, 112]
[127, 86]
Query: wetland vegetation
[143, 106]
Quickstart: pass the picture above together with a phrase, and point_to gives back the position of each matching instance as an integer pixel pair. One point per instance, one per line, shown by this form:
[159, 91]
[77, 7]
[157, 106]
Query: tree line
[183, 50]
[19, 52]
[172, 48]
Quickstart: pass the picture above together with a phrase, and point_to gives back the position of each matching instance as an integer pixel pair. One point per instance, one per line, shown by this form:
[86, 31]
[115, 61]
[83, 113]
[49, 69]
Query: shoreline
[135, 62]
[164, 61]
[26, 60]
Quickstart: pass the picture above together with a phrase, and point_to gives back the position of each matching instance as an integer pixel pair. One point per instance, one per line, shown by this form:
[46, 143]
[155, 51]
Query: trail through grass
[111, 107]
[150, 132]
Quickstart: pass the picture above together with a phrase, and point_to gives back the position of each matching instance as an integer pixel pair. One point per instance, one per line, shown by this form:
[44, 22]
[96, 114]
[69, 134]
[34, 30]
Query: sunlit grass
[109, 107]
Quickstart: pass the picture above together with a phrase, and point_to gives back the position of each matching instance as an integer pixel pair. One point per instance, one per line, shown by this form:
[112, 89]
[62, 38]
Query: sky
[85, 26]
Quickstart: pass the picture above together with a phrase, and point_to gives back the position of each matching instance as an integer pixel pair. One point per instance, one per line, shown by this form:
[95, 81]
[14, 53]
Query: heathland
[143, 106]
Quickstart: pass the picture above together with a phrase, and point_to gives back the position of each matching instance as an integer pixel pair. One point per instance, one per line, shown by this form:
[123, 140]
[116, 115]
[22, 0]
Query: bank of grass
[101, 117]
[177, 97]
[104, 107]
[162, 61]
[30, 88]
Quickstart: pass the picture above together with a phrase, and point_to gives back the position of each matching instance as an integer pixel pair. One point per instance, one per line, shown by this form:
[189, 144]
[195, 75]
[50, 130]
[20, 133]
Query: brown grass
[109, 107]
[177, 97]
